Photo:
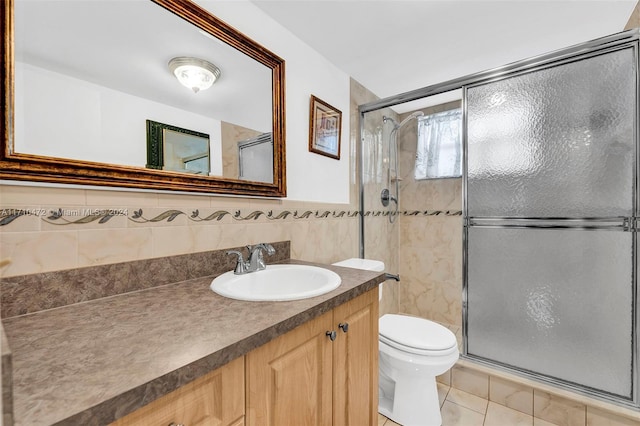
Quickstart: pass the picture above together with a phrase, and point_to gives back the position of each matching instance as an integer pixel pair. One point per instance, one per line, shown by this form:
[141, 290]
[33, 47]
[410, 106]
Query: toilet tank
[366, 264]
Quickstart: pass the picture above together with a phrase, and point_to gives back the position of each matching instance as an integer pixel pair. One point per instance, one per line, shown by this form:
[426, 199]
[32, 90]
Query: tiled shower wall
[430, 244]
[69, 228]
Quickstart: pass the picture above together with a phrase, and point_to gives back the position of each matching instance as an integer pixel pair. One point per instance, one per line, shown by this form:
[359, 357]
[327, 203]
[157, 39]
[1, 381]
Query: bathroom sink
[277, 283]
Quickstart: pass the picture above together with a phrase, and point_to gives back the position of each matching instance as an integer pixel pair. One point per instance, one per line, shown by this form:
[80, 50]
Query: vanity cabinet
[305, 377]
[323, 372]
[355, 362]
[216, 399]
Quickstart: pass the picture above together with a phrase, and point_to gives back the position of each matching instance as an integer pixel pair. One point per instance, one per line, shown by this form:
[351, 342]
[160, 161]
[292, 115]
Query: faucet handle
[269, 249]
[241, 266]
[256, 259]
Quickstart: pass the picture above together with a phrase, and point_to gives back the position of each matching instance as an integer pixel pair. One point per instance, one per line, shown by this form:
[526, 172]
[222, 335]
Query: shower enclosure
[550, 214]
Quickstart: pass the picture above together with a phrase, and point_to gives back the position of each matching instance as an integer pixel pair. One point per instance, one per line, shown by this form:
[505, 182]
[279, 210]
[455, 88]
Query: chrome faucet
[255, 261]
[256, 258]
[241, 265]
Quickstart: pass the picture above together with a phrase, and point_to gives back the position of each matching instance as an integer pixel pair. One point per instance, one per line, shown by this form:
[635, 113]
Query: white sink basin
[277, 283]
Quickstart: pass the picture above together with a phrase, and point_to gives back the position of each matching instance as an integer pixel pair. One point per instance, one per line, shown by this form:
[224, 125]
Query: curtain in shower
[439, 152]
[549, 221]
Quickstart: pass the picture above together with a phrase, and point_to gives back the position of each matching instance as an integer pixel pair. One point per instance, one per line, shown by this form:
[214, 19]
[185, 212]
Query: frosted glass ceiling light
[196, 74]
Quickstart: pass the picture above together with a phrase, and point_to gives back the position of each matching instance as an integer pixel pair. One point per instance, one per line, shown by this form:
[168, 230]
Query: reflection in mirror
[81, 101]
[233, 137]
[178, 150]
[254, 158]
[87, 98]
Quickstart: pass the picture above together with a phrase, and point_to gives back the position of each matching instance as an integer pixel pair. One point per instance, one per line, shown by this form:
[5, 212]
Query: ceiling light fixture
[196, 74]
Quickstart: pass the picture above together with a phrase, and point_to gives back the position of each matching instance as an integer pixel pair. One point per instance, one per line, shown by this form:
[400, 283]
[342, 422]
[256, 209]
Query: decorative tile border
[83, 216]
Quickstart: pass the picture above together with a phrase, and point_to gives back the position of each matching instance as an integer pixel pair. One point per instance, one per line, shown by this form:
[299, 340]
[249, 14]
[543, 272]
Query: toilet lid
[417, 333]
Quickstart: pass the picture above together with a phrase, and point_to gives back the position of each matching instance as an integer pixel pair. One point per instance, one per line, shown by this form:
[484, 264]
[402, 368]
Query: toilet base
[410, 406]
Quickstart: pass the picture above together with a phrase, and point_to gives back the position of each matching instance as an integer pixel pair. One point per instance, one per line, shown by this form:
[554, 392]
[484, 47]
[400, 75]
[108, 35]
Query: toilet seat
[416, 335]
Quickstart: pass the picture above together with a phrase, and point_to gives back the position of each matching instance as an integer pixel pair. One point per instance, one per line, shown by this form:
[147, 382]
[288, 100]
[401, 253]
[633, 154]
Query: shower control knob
[332, 335]
[344, 326]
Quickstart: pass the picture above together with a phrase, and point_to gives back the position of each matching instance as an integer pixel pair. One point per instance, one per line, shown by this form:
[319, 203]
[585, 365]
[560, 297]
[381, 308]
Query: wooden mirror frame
[16, 166]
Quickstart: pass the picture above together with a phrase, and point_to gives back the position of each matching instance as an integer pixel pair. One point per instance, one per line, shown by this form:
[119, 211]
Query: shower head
[413, 115]
[385, 119]
[396, 126]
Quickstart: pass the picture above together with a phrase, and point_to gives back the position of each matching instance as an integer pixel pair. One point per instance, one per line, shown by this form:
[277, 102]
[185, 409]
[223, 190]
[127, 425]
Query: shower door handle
[603, 224]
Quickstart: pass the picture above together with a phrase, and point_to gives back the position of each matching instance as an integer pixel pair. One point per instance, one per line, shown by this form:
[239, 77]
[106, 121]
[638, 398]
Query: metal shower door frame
[630, 38]
[627, 224]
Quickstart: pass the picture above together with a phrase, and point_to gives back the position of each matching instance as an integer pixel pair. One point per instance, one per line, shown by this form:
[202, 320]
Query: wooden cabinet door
[216, 399]
[289, 380]
[355, 362]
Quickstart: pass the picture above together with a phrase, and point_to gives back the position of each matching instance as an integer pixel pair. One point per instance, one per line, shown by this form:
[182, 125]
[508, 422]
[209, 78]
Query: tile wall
[634, 20]
[70, 228]
[431, 243]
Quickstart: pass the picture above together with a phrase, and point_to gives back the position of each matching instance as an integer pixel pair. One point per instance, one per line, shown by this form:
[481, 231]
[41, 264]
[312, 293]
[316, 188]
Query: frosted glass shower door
[553, 302]
[549, 215]
[557, 142]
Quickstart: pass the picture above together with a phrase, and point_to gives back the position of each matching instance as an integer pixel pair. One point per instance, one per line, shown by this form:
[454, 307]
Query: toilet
[413, 351]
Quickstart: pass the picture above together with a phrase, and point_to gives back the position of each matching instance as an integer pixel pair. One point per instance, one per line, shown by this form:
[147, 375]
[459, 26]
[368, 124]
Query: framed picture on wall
[325, 123]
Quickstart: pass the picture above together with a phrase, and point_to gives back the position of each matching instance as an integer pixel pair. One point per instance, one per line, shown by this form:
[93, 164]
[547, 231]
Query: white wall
[108, 126]
[310, 176]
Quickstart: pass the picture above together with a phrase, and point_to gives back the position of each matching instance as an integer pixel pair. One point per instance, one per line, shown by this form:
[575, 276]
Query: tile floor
[460, 408]
[471, 398]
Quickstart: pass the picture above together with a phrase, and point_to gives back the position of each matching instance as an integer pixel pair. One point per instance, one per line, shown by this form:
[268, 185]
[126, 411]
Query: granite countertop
[92, 362]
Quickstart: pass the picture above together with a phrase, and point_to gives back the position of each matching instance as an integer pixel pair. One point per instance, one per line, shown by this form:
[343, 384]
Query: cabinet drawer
[216, 399]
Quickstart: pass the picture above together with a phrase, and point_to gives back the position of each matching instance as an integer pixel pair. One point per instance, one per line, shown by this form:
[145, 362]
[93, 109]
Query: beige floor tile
[381, 419]
[443, 390]
[597, 417]
[499, 415]
[558, 410]
[471, 381]
[456, 415]
[445, 378]
[510, 394]
[467, 400]
[540, 422]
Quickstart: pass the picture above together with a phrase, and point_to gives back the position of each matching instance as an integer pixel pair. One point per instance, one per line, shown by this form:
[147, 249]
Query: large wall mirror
[83, 78]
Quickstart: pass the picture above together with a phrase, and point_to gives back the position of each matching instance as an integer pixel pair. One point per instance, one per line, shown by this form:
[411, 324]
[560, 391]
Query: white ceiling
[395, 46]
